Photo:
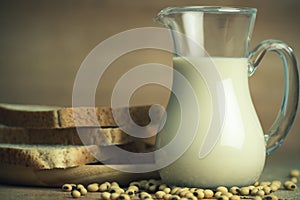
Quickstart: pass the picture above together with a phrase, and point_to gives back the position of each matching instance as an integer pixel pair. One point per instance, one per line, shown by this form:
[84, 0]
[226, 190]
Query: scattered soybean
[112, 191]
[75, 194]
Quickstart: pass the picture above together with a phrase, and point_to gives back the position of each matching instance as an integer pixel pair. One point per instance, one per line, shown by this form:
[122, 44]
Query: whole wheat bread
[65, 136]
[47, 156]
[45, 137]
[63, 156]
[36, 116]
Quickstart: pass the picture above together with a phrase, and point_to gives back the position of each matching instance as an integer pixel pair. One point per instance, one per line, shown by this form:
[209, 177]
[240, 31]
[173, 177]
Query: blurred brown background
[43, 43]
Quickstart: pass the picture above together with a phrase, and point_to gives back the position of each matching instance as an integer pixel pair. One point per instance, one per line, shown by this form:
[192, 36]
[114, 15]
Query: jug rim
[208, 9]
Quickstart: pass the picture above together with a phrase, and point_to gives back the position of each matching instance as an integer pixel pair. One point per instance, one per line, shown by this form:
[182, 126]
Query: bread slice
[65, 136]
[65, 156]
[36, 116]
[47, 156]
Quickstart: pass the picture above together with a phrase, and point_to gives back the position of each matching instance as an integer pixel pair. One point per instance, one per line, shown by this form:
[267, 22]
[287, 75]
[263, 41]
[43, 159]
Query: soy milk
[239, 153]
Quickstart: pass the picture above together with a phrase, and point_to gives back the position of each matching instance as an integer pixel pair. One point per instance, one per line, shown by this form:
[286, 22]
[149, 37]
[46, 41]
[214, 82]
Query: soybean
[115, 184]
[67, 187]
[259, 187]
[162, 187]
[208, 193]
[222, 189]
[218, 194]
[124, 197]
[83, 191]
[105, 195]
[114, 196]
[94, 187]
[131, 193]
[134, 188]
[274, 187]
[191, 196]
[114, 187]
[167, 190]
[256, 183]
[153, 188]
[160, 194]
[174, 190]
[265, 183]
[183, 193]
[118, 190]
[182, 190]
[154, 182]
[199, 193]
[245, 191]
[267, 190]
[271, 197]
[228, 194]
[289, 185]
[294, 180]
[75, 194]
[235, 190]
[294, 173]
[193, 189]
[135, 183]
[150, 183]
[79, 186]
[144, 195]
[276, 182]
[254, 191]
[167, 196]
[260, 193]
[143, 183]
[223, 197]
[104, 187]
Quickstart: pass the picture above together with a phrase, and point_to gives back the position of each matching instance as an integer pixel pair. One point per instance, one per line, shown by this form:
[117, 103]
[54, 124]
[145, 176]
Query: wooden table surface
[277, 167]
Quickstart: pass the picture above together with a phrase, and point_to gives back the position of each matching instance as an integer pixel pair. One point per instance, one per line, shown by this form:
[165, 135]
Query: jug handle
[275, 136]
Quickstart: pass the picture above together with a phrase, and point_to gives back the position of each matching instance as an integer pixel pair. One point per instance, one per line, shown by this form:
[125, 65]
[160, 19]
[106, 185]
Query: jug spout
[186, 29]
[220, 31]
[159, 18]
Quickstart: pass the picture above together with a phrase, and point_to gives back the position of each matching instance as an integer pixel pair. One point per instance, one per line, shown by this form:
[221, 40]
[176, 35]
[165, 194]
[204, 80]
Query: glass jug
[216, 121]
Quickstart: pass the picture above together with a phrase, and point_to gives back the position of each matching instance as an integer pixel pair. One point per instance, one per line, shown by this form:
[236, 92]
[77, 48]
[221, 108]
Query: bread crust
[34, 116]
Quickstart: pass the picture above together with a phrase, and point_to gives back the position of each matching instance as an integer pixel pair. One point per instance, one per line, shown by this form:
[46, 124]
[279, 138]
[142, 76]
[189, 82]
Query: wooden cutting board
[19, 175]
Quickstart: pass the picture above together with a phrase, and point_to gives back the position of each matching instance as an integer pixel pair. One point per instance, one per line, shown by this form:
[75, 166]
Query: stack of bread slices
[48, 145]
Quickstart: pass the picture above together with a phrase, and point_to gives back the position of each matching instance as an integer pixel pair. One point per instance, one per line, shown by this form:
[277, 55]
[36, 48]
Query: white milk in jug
[239, 151]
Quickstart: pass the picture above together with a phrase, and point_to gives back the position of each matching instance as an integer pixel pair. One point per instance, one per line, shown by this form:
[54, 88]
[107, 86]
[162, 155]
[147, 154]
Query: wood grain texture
[277, 168]
[17, 175]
